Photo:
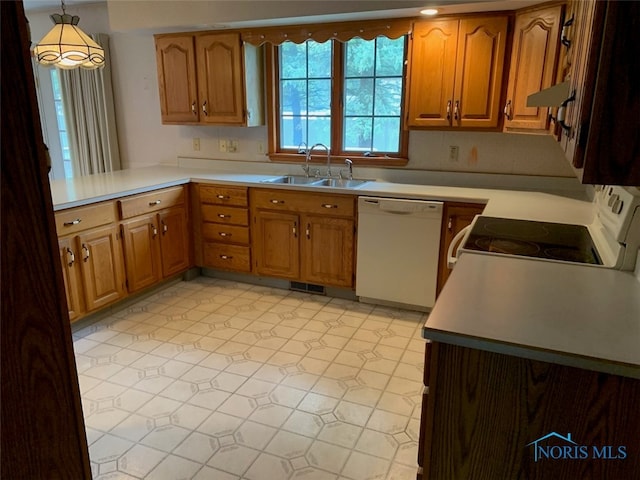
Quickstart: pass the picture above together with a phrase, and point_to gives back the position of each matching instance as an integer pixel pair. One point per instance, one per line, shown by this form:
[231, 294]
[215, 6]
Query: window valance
[321, 32]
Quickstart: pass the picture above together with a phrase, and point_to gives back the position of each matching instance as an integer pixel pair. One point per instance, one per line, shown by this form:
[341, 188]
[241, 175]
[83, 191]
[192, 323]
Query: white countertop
[575, 315]
[569, 314]
[504, 203]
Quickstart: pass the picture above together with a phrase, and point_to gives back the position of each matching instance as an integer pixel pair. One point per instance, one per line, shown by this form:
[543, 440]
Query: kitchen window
[341, 85]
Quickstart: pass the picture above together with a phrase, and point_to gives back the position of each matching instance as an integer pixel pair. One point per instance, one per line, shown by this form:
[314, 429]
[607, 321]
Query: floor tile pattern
[214, 379]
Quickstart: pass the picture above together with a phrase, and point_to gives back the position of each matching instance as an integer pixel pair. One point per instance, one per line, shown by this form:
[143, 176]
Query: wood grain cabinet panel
[102, 267]
[488, 408]
[533, 68]
[302, 236]
[91, 257]
[174, 241]
[209, 78]
[72, 276]
[224, 232]
[142, 254]
[176, 61]
[456, 73]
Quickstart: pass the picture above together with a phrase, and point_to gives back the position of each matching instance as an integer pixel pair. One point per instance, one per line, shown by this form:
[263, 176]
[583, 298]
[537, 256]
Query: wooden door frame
[43, 434]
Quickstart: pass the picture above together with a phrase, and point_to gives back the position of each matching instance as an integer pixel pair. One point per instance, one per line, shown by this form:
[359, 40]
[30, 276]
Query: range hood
[549, 97]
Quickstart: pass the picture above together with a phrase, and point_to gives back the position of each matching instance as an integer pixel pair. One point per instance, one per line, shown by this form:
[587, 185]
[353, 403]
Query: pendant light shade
[66, 46]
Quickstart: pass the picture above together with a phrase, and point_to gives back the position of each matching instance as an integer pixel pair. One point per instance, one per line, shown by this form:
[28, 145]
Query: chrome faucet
[304, 150]
[328, 156]
[349, 164]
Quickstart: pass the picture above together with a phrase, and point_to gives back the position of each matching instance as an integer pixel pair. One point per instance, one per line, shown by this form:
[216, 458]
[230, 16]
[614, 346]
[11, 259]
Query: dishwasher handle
[451, 257]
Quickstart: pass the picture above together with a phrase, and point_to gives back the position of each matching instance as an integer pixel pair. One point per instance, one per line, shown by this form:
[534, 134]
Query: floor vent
[307, 288]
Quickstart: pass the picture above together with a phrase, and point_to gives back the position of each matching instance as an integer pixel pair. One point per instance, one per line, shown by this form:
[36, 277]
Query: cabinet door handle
[154, 230]
[223, 197]
[222, 215]
[450, 224]
[224, 234]
[449, 110]
[507, 110]
[193, 108]
[204, 108]
[329, 205]
[274, 201]
[295, 229]
[85, 249]
[308, 232]
[72, 222]
[226, 257]
[165, 227]
[72, 257]
[155, 202]
[456, 110]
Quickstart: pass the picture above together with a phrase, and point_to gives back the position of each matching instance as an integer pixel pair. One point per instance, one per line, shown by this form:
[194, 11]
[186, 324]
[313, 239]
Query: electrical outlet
[453, 153]
[222, 145]
[196, 144]
[232, 145]
[261, 148]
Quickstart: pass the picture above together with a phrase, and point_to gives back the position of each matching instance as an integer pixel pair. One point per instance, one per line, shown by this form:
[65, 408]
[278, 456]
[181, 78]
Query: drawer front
[77, 219]
[335, 205]
[216, 232]
[227, 257]
[224, 214]
[236, 196]
[150, 202]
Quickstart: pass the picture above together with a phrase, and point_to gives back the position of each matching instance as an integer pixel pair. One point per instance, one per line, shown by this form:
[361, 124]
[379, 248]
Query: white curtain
[87, 96]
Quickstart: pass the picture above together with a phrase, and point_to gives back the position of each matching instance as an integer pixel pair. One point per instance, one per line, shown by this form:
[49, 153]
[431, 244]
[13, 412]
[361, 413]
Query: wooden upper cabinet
[175, 58]
[479, 72]
[456, 73]
[209, 78]
[221, 88]
[602, 140]
[433, 66]
[534, 56]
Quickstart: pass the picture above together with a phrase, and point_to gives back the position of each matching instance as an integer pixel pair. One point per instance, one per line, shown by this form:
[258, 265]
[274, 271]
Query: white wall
[145, 141]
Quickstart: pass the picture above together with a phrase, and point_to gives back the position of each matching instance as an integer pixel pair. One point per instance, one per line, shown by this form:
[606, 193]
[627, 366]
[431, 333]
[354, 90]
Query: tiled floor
[213, 379]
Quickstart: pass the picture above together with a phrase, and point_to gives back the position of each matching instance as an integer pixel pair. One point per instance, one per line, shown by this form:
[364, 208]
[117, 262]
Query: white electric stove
[612, 240]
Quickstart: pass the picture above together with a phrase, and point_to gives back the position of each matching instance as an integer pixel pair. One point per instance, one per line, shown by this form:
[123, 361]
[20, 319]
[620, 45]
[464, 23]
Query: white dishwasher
[398, 249]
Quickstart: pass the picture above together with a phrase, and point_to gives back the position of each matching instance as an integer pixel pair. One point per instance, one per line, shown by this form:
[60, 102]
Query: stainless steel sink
[316, 182]
[294, 180]
[341, 183]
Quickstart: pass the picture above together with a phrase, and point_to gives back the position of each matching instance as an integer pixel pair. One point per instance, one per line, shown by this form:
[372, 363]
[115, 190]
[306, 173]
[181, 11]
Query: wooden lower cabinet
[92, 267]
[486, 412]
[223, 223]
[327, 250]
[155, 247]
[72, 276]
[276, 244]
[304, 237]
[455, 217]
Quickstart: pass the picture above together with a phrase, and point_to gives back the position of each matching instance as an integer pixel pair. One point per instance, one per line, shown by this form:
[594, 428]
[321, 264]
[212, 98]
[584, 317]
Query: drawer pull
[155, 202]
[328, 205]
[224, 234]
[72, 223]
[222, 215]
[274, 201]
[226, 257]
[223, 197]
[72, 257]
[85, 249]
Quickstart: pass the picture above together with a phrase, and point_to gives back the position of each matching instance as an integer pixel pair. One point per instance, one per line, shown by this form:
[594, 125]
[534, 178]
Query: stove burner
[569, 255]
[543, 240]
[508, 246]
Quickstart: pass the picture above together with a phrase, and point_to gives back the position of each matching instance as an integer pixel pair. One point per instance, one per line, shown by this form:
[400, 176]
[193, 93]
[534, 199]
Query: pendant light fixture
[66, 46]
